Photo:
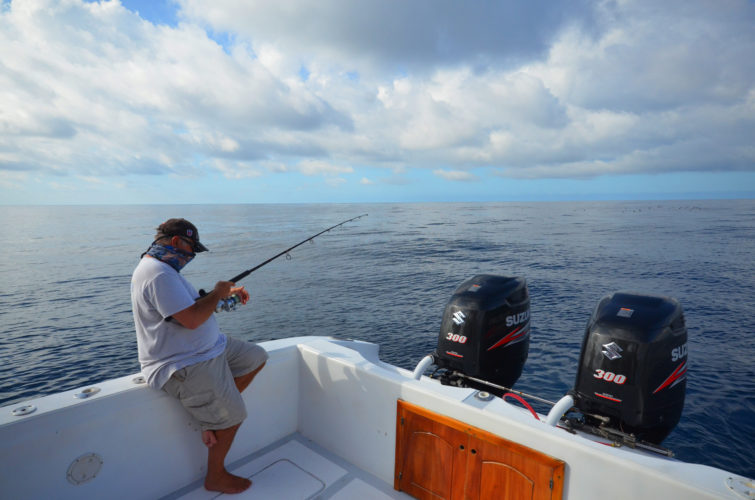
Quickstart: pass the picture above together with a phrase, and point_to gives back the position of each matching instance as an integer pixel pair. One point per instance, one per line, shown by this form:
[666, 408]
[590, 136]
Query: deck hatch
[84, 469]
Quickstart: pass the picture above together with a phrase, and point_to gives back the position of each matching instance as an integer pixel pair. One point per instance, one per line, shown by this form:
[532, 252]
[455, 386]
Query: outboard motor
[485, 331]
[633, 366]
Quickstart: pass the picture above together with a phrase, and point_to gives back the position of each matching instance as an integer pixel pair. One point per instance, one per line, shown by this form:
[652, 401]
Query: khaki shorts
[207, 389]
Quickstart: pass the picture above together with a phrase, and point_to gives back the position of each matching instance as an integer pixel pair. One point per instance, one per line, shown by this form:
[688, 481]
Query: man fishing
[182, 350]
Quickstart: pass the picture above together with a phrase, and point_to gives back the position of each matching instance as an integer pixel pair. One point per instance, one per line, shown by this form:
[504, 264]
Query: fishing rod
[284, 252]
[230, 303]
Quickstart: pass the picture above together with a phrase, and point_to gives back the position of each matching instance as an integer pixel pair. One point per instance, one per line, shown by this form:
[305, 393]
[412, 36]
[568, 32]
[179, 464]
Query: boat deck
[296, 468]
[324, 426]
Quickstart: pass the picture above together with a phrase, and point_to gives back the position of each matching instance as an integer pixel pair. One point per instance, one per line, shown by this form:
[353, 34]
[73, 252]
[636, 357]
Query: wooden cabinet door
[441, 458]
[430, 457]
[501, 469]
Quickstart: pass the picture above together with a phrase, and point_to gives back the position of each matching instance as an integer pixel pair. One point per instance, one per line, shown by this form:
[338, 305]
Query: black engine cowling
[633, 364]
[485, 331]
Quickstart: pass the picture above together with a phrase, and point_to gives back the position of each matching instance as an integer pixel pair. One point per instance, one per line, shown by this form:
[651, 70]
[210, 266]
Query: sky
[304, 101]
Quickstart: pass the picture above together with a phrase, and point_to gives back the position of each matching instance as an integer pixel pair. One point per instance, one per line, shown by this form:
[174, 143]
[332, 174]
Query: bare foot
[209, 438]
[227, 483]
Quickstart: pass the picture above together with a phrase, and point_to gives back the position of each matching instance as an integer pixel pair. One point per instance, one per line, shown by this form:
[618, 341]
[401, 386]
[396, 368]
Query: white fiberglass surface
[295, 468]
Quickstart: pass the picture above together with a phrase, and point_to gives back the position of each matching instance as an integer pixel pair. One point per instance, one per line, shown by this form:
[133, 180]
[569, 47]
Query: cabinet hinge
[402, 420]
[551, 484]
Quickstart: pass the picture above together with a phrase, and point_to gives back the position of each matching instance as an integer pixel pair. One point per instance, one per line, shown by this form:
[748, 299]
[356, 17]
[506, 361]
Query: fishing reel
[228, 304]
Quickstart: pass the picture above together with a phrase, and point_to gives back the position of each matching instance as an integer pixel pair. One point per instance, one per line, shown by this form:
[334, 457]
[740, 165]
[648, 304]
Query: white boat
[328, 419]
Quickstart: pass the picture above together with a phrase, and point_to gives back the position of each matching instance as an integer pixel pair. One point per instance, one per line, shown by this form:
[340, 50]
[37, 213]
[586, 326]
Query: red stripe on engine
[508, 338]
[677, 374]
[608, 398]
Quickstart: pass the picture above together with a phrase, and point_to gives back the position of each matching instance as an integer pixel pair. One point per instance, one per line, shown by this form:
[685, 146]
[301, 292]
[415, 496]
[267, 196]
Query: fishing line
[229, 303]
[246, 273]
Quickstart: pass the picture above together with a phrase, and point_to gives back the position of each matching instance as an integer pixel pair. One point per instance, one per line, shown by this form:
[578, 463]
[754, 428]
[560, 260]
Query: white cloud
[92, 180]
[11, 180]
[455, 175]
[379, 36]
[655, 56]
[529, 89]
[237, 169]
[314, 167]
[106, 92]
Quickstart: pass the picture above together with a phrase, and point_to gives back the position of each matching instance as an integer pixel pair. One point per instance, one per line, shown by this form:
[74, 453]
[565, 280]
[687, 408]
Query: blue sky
[220, 101]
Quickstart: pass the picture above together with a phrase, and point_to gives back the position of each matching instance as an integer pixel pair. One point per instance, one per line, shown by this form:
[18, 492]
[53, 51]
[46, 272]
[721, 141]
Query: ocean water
[65, 311]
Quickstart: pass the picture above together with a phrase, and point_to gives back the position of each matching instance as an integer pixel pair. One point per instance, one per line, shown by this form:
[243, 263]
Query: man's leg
[219, 441]
[218, 478]
[243, 381]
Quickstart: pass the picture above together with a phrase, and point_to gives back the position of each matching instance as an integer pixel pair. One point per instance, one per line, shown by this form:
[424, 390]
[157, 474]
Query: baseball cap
[183, 228]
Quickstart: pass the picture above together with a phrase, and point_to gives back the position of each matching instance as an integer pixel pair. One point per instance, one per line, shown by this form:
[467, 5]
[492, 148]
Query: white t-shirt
[157, 292]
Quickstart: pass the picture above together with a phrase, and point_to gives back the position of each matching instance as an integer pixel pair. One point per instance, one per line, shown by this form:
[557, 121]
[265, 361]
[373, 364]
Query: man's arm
[199, 312]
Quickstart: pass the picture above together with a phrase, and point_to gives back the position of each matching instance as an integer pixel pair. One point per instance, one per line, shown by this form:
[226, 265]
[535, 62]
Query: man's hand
[241, 292]
[193, 316]
[209, 439]
[223, 289]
